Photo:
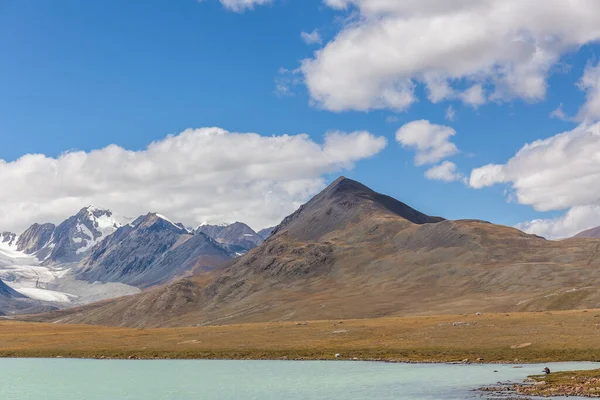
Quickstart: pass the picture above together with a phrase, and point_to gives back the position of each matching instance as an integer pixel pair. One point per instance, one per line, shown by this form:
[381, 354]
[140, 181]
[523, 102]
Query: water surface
[62, 379]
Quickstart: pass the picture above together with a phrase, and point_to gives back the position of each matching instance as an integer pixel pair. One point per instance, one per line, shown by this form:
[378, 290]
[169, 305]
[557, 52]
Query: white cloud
[558, 173]
[311, 38]
[509, 46]
[432, 142]
[552, 174]
[590, 83]
[392, 119]
[576, 220]
[446, 172]
[473, 96]
[206, 174]
[242, 5]
[450, 113]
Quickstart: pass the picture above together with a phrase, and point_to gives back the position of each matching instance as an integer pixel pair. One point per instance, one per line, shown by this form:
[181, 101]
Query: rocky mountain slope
[593, 233]
[35, 238]
[70, 241]
[237, 237]
[353, 253]
[150, 251]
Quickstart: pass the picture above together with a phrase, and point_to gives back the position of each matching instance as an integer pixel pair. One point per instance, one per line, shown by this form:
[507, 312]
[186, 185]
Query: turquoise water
[66, 379]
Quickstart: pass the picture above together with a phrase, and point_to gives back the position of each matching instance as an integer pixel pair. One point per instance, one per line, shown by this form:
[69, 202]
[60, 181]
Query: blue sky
[80, 76]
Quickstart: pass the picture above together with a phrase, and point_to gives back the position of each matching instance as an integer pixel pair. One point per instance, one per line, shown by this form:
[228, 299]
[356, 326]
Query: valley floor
[514, 337]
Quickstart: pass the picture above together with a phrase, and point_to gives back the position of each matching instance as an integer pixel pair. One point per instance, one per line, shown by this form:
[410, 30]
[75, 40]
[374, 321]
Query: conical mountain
[343, 202]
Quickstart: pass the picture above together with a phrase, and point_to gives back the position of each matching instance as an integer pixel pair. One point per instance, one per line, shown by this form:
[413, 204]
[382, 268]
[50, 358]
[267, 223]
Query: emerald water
[62, 379]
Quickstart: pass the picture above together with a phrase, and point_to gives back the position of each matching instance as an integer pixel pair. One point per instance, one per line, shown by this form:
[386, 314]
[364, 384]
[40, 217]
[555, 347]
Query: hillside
[593, 233]
[353, 253]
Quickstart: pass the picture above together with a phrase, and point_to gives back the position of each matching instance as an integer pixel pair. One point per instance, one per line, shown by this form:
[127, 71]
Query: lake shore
[559, 384]
[489, 338]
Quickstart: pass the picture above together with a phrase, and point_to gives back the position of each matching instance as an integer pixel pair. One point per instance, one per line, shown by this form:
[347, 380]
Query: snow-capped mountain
[95, 255]
[149, 251]
[72, 239]
[237, 237]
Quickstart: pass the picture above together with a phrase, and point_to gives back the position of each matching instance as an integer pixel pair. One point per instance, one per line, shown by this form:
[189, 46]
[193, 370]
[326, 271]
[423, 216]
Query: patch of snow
[171, 222]
[90, 242]
[46, 295]
[248, 234]
[220, 224]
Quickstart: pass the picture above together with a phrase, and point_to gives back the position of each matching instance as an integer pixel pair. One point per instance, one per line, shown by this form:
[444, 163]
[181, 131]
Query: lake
[61, 379]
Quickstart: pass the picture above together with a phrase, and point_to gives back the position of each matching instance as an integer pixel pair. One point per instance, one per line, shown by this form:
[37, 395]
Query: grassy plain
[526, 337]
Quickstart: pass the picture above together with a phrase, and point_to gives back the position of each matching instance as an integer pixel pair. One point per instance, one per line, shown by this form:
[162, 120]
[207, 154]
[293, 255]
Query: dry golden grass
[556, 336]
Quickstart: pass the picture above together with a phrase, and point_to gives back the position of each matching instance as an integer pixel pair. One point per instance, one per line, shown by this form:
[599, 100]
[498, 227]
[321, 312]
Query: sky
[241, 110]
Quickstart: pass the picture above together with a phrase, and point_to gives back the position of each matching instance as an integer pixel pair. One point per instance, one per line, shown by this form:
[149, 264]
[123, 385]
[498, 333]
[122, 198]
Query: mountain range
[351, 252]
[95, 255]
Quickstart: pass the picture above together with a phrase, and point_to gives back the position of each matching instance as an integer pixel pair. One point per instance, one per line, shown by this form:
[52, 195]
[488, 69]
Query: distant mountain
[69, 241]
[590, 233]
[237, 237]
[35, 238]
[266, 233]
[149, 251]
[353, 253]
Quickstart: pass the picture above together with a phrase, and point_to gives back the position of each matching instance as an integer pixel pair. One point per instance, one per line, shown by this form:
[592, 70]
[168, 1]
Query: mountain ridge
[372, 256]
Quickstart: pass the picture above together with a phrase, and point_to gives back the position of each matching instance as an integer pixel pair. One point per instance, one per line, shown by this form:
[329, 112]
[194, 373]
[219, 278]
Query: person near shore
[546, 370]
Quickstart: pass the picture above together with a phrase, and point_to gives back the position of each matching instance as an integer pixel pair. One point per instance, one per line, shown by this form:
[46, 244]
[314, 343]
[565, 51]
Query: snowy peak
[157, 221]
[72, 239]
[150, 250]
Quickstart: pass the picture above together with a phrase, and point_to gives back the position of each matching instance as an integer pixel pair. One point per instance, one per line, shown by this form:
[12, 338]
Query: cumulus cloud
[431, 141]
[508, 46]
[558, 173]
[551, 174]
[312, 37]
[576, 220]
[206, 174]
[446, 172]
